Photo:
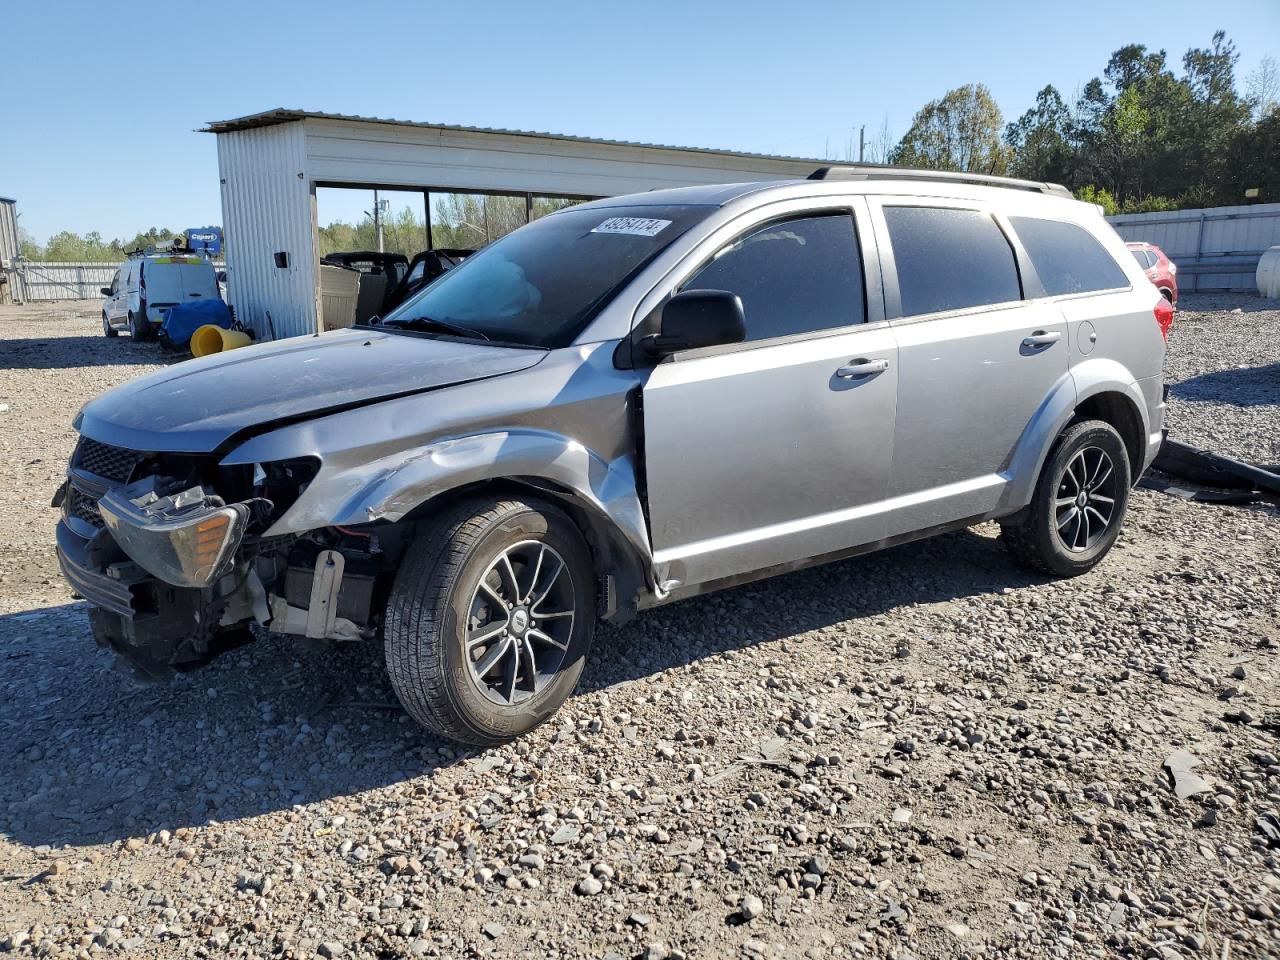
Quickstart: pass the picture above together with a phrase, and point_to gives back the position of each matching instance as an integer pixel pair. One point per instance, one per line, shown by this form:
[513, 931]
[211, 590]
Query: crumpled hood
[197, 405]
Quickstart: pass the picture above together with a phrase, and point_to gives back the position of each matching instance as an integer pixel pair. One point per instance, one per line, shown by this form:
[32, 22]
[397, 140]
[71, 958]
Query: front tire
[490, 619]
[1078, 506]
[107, 328]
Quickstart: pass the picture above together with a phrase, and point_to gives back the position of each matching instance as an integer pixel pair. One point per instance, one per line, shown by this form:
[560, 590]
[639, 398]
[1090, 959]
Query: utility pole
[377, 219]
[862, 142]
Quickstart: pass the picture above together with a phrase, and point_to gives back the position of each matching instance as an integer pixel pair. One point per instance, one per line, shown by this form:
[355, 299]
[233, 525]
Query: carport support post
[528, 208]
[426, 208]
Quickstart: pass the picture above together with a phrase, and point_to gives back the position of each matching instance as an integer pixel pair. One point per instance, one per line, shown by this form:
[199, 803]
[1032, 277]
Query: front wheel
[1078, 506]
[490, 619]
[107, 328]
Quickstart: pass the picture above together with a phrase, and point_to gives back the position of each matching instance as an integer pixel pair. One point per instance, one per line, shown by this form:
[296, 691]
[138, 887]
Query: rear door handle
[1042, 338]
[862, 368]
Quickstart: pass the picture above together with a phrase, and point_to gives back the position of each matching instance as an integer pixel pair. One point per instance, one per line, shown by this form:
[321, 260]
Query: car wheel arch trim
[1085, 381]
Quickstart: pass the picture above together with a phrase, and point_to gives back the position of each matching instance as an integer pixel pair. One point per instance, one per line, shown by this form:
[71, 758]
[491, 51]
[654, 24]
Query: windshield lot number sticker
[633, 226]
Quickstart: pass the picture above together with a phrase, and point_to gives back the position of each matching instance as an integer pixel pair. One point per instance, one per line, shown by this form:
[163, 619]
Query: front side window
[794, 276]
[950, 259]
[540, 285]
[1068, 259]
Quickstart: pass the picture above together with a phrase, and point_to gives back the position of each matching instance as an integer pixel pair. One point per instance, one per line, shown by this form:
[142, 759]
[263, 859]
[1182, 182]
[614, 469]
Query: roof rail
[872, 172]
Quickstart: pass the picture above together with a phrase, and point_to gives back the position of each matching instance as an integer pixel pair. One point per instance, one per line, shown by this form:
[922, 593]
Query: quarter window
[794, 276]
[1068, 259]
[950, 259]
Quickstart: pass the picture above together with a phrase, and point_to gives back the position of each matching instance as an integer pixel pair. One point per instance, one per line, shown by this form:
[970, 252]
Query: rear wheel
[107, 328]
[1079, 503]
[490, 619]
[137, 328]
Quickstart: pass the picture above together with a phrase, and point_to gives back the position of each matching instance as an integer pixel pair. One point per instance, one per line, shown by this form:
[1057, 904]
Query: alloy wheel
[519, 622]
[1085, 503]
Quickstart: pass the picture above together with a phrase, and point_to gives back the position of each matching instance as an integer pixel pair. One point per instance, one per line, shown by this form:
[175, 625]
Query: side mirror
[221, 276]
[698, 318]
[105, 291]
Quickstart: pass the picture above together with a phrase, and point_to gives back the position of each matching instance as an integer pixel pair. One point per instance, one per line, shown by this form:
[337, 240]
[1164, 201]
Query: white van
[144, 286]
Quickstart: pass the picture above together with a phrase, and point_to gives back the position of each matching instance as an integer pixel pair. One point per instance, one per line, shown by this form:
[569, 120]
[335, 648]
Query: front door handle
[1042, 338]
[862, 368]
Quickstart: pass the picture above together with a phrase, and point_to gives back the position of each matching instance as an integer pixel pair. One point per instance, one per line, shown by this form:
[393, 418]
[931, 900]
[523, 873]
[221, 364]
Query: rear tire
[1078, 506]
[137, 329]
[107, 328]
[468, 650]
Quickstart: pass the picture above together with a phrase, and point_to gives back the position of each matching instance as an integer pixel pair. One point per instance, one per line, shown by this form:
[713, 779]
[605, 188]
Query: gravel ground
[923, 753]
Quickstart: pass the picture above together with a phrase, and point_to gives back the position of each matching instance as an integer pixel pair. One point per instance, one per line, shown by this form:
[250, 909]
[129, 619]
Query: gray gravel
[923, 753]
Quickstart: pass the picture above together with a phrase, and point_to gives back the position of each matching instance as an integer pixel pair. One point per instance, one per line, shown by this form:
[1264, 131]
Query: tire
[107, 328]
[438, 597]
[137, 331]
[1047, 535]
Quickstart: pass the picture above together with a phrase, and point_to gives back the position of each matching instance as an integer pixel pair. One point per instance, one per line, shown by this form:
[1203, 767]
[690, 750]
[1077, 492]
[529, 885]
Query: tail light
[1164, 317]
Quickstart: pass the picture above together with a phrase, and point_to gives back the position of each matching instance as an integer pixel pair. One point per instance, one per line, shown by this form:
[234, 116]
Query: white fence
[1217, 248]
[61, 281]
[31, 280]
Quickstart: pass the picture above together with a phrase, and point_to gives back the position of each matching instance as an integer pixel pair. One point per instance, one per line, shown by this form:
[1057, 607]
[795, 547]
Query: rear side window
[794, 276]
[950, 259]
[1067, 257]
[1144, 257]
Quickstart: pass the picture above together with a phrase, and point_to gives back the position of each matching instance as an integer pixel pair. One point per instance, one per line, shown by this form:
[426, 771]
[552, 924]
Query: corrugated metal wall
[9, 249]
[343, 151]
[1216, 248]
[268, 208]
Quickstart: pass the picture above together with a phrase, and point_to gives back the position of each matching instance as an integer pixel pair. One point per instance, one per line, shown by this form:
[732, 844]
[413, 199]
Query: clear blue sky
[98, 117]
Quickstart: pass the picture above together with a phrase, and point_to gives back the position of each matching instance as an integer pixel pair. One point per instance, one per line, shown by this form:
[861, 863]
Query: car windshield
[542, 284]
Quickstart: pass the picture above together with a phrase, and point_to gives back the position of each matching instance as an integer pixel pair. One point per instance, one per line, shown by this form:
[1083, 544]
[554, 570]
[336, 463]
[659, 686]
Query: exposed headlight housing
[188, 539]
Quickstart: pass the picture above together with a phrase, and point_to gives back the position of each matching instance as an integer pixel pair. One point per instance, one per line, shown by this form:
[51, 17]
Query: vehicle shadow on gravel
[59, 353]
[941, 568]
[1240, 387]
[92, 755]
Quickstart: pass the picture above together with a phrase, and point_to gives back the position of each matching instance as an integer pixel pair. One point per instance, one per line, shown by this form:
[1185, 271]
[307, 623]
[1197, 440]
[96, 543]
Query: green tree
[1215, 114]
[961, 131]
[1042, 140]
[1252, 161]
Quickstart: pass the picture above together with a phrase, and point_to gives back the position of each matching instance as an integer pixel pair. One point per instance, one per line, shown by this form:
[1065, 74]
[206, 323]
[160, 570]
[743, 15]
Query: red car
[1162, 271]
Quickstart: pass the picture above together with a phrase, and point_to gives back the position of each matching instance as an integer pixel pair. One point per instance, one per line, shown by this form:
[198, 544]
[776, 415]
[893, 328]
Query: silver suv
[621, 404]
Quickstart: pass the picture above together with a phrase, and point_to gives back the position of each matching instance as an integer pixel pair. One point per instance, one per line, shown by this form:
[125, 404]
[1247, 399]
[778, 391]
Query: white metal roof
[277, 115]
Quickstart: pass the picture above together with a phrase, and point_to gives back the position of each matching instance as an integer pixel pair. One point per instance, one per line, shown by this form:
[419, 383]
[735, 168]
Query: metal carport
[271, 163]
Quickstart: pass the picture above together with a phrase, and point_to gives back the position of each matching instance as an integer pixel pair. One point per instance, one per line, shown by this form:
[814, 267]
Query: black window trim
[835, 210]
[1029, 286]
[1080, 294]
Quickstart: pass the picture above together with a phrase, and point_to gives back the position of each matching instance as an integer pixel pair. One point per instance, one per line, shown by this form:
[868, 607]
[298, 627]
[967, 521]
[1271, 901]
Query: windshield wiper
[419, 323]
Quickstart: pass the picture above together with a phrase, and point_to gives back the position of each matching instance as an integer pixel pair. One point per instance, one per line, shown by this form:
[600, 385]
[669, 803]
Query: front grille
[83, 507]
[101, 459]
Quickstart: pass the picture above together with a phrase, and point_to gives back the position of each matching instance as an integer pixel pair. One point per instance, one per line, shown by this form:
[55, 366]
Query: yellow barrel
[213, 339]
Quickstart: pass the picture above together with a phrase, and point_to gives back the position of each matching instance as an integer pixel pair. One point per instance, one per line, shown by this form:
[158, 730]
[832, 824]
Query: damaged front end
[170, 550]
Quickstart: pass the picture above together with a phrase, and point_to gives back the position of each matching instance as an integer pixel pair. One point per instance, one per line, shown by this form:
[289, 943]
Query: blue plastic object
[182, 321]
